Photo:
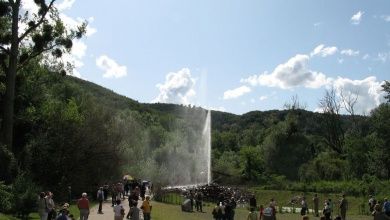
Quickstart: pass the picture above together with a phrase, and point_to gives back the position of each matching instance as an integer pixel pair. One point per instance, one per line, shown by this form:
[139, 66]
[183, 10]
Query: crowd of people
[135, 191]
[225, 198]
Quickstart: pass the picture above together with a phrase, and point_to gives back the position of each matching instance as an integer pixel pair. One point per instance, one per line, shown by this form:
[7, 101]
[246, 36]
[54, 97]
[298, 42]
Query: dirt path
[109, 212]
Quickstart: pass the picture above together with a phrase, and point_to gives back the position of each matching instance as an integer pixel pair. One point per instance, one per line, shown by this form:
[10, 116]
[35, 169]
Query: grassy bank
[163, 211]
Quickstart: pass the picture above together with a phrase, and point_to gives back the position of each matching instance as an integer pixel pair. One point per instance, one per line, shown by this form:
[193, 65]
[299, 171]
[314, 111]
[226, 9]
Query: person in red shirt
[83, 205]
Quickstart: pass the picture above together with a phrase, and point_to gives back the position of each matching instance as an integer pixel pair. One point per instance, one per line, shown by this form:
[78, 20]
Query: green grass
[163, 211]
[356, 204]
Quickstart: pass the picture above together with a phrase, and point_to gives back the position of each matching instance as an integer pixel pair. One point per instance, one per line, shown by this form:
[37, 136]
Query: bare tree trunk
[8, 111]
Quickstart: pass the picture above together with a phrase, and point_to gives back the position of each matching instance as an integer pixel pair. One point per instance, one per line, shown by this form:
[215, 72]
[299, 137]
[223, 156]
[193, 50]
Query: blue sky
[235, 56]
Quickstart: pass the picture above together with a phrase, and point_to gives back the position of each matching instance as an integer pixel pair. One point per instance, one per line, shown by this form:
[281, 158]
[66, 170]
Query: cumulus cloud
[293, 73]
[350, 52]
[323, 51]
[356, 18]
[235, 93]
[178, 88]
[110, 67]
[368, 92]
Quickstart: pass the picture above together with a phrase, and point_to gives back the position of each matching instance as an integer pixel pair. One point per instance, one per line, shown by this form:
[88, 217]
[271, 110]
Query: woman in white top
[119, 211]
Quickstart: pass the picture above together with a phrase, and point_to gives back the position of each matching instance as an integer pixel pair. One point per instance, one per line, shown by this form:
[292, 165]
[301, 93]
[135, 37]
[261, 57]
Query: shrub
[25, 195]
[5, 198]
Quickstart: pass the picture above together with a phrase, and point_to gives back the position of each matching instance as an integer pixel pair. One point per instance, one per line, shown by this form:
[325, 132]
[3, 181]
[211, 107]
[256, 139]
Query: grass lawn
[163, 211]
[356, 205]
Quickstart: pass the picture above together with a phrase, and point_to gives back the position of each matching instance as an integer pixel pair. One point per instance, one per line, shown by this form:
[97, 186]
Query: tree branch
[40, 21]
[37, 53]
[5, 49]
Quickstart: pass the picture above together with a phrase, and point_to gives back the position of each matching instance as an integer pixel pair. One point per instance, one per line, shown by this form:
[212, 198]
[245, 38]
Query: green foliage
[252, 162]
[25, 195]
[5, 198]
[8, 165]
[285, 149]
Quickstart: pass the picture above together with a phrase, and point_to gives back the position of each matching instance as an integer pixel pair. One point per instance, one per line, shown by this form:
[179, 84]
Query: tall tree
[334, 132]
[25, 36]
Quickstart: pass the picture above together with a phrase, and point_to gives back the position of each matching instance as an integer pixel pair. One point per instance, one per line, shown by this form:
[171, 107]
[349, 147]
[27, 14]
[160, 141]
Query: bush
[25, 195]
[5, 198]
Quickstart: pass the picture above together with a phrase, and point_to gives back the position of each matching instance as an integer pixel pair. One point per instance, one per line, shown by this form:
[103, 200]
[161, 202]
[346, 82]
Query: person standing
[83, 205]
[50, 206]
[303, 206]
[326, 211]
[252, 202]
[119, 211]
[343, 207]
[100, 198]
[371, 203]
[146, 208]
[316, 204]
[198, 201]
[386, 207]
[42, 207]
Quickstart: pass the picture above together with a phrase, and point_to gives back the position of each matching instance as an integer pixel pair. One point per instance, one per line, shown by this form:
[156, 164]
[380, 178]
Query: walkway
[108, 211]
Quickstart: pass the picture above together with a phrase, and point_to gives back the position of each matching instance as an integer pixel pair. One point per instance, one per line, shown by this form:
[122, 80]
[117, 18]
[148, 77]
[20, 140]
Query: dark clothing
[253, 202]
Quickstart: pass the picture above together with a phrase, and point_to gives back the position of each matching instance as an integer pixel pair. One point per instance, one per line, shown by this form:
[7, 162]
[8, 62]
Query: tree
[334, 133]
[386, 88]
[44, 32]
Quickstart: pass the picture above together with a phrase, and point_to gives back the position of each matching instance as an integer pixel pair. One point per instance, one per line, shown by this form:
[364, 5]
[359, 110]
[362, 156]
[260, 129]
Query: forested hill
[69, 131]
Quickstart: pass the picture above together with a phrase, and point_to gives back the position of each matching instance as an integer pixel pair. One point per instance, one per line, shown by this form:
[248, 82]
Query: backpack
[268, 211]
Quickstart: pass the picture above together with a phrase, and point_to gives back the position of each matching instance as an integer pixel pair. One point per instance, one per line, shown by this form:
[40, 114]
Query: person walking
[83, 205]
[146, 208]
[100, 198]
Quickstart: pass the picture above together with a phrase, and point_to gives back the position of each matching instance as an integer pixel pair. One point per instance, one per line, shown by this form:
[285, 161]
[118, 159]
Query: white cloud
[178, 88]
[384, 57]
[350, 52]
[293, 73]
[366, 56]
[30, 6]
[253, 100]
[235, 93]
[323, 51]
[74, 22]
[65, 4]
[386, 18]
[263, 97]
[110, 67]
[78, 49]
[317, 24]
[341, 60]
[368, 91]
[356, 18]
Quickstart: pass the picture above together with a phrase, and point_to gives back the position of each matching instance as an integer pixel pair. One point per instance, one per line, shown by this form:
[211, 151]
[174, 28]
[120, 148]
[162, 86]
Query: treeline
[297, 145]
